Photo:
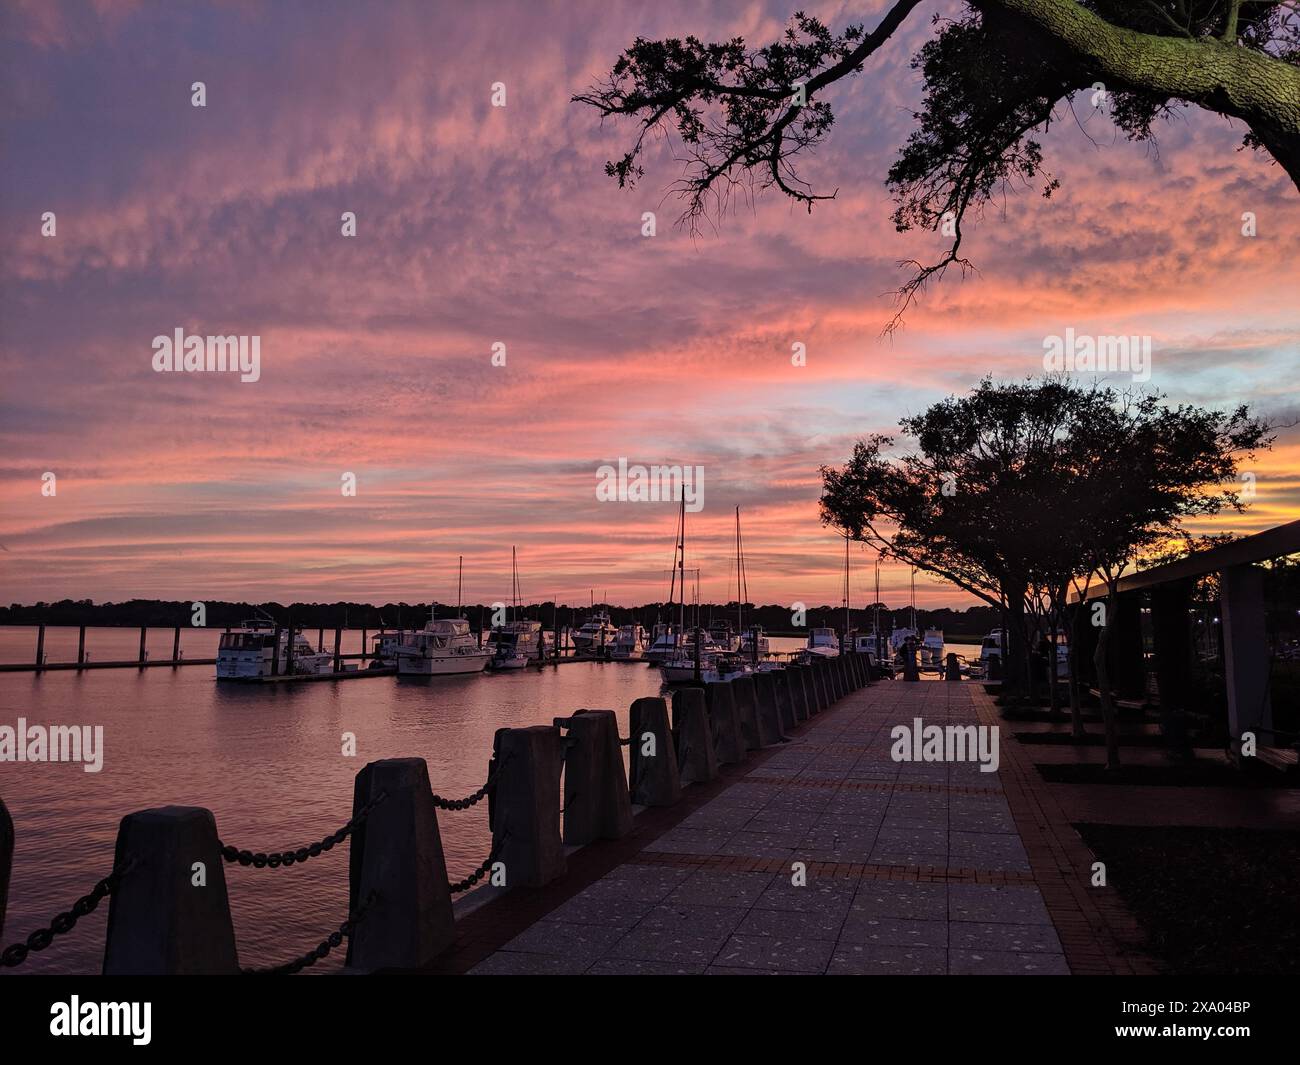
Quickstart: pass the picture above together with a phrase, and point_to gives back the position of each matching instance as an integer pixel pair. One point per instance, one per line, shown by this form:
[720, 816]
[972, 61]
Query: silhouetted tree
[994, 77]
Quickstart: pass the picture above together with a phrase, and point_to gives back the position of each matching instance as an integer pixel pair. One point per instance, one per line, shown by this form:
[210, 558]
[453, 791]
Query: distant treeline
[975, 621]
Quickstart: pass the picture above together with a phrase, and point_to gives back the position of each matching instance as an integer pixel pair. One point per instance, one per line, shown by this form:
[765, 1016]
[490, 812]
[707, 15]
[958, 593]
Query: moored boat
[262, 649]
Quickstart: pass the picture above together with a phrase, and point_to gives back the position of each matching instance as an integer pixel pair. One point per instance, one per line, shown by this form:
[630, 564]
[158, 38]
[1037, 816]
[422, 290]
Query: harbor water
[266, 759]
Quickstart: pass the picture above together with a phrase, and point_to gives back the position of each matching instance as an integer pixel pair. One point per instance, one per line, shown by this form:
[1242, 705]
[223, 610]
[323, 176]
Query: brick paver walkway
[911, 868]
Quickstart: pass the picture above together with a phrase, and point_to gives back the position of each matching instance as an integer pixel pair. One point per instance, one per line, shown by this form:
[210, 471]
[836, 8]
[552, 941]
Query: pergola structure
[1244, 634]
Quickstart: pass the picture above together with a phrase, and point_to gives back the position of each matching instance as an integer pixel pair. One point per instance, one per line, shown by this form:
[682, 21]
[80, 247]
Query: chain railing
[458, 886]
[321, 951]
[474, 798]
[14, 955]
[261, 860]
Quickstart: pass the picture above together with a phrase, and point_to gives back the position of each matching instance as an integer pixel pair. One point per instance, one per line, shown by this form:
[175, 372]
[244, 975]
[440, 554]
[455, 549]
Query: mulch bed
[1211, 900]
[1091, 739]
[1190, 775]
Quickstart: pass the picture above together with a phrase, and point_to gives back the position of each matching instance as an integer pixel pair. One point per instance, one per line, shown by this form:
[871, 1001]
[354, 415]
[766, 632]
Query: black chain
[478, 796]
[625, 742]
[478, 874]
[326, 945]
[260, 860]
[16, 954]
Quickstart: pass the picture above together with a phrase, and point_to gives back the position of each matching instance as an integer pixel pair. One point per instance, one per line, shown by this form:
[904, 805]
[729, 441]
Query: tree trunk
[1103, 681]
[1260, 89]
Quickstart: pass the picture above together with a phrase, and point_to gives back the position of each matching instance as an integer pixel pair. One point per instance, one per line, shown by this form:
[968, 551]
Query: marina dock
[767, 824]
[911, 869]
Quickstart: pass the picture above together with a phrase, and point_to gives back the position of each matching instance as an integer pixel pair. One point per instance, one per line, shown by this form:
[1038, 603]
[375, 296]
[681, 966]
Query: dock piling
[144, 636]
[6, 860]
[656, 780]
[798, 691]
[784, 700]
[397, 870]
[766, 712]
[596, 800]
[176, 645]
[524, 805]
[725, 727]
[40, 646]
[169, 914]
[696, 758]
[81, 645]
[747, 712]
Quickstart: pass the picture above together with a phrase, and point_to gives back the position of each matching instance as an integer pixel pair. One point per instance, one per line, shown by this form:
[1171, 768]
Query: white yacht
[747, 641]
[722, 634]
[516, 644]
[665, 645]
[441, 648]
[254, 652]
[596, 634]
[932, 649]
[386, 644]
[630, 643]
[824, 643]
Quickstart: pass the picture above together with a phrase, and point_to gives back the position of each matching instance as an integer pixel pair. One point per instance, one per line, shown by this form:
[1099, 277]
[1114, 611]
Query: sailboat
[517, 642]
[694, 652]
[443, 647]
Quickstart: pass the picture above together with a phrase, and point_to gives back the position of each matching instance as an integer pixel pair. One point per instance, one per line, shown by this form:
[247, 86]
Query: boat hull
[440, 666]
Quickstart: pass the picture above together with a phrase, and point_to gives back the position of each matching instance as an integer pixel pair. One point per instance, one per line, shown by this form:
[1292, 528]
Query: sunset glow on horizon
[477, 225]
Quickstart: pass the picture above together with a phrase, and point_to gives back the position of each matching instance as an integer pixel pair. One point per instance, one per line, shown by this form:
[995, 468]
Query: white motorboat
[666, 644]
[724, 636]
[597, 634]
[441, 648]
[824, 643]
[932, 649]
[516, 644]
[629, 644]
[748, 638]
[261, 649]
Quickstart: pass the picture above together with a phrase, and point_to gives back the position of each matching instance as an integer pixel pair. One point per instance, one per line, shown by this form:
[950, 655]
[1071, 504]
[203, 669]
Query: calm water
[266, 760]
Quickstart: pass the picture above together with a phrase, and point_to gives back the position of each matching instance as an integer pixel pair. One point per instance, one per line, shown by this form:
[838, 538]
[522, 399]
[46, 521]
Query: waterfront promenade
[912, 868]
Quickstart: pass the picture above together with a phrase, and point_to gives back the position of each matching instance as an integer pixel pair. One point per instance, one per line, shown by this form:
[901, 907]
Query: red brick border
[1097, 932]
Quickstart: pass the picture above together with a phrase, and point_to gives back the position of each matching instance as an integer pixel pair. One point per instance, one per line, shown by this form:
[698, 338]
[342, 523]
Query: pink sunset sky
[478, 224]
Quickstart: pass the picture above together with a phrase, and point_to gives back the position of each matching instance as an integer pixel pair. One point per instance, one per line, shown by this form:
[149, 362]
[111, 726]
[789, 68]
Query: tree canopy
[995, 77]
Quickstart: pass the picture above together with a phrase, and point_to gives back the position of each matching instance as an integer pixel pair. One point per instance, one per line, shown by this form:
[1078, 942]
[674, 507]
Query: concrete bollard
[855, 679]
[768, 714]
[655, 777]
[784, 700]
[6, 861]
[840, 677]
[798, 691]
[596, 800]
[697, 761]
[170, 914]
[747, 711]
[952, 668]
[828, 682]
[397, 855]
[724, 722]
[820, 670]
[524, 804]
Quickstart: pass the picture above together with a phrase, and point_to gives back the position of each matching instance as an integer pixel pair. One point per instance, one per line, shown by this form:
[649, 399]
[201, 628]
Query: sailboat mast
[740, 594]
[681, 561]
[846, 586]
[460, 575]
